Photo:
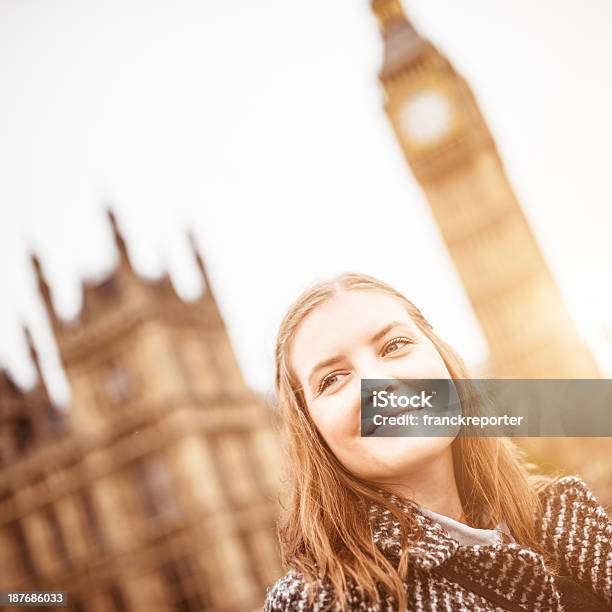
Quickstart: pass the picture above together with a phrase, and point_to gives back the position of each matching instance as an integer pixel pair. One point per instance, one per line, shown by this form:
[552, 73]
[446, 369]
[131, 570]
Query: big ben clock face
[426, 117]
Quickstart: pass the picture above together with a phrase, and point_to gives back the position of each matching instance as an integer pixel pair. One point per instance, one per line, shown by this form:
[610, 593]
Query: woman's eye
[328, 380]
[395, 345]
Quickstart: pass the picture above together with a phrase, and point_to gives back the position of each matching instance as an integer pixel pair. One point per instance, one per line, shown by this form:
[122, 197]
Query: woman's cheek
[349, 407]
[338, 419]
[426, 363]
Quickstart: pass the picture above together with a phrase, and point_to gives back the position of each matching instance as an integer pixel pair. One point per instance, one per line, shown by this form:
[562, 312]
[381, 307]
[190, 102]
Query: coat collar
[432, 548]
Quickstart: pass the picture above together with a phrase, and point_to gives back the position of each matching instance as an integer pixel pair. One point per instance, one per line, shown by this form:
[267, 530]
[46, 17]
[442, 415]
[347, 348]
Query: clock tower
[451, 152]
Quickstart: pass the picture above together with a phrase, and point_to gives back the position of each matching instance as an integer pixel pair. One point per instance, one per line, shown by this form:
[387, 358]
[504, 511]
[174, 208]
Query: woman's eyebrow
[333, 360]
[386, 329]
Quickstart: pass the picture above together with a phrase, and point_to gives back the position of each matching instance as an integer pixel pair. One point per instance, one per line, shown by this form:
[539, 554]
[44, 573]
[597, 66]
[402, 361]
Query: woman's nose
[391, 386]
[388, 381]
[379, 381]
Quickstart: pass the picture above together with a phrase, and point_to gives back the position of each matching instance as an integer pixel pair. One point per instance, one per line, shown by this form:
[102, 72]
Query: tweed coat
[573, 525]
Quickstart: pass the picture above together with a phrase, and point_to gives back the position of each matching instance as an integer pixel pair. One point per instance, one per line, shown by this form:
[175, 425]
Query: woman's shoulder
[568, 503]
[291, 591]
[578, 530]
[286, 593]
[569, 492]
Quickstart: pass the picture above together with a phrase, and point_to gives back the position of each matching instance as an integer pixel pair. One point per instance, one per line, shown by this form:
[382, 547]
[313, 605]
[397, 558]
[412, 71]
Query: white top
[466, 535]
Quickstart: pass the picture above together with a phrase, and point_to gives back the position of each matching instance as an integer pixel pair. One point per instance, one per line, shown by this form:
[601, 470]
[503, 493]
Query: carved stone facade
[158, 489]
[450, 149]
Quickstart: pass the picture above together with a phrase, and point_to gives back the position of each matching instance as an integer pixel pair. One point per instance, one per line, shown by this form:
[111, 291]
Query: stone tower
[158, 489]
[450, 149]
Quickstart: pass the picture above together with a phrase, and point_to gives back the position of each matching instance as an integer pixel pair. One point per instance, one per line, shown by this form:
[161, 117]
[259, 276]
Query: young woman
[407, 523]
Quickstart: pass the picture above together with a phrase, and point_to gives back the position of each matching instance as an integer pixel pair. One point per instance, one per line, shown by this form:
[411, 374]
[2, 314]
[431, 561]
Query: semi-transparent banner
[486, 407]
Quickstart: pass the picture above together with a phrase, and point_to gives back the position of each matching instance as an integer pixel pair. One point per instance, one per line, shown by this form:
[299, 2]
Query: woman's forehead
[343, 320]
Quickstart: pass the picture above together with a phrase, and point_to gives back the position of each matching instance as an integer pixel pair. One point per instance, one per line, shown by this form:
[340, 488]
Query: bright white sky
[259, 124]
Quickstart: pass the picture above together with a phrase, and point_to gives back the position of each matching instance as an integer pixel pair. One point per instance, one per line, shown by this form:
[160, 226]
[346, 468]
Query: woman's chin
[402, 453]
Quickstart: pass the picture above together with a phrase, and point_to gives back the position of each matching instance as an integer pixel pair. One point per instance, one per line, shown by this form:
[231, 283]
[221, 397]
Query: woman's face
[363, 334]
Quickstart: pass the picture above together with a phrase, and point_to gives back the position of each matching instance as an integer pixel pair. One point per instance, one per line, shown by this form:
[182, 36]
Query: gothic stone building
[157, 490]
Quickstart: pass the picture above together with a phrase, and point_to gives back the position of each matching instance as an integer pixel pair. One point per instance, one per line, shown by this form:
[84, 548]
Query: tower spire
[34, 357]
[200, 263]
[202, 268]
[402, 43]
[118, 237]
[43, 289]
[388, 12]
[32, 349]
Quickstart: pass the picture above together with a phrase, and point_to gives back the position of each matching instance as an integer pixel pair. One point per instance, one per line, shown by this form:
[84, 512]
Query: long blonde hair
[324, 529]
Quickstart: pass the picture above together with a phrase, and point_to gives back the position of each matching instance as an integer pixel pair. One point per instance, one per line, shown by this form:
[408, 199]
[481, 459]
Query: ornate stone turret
[113, 302]
[105, 346]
